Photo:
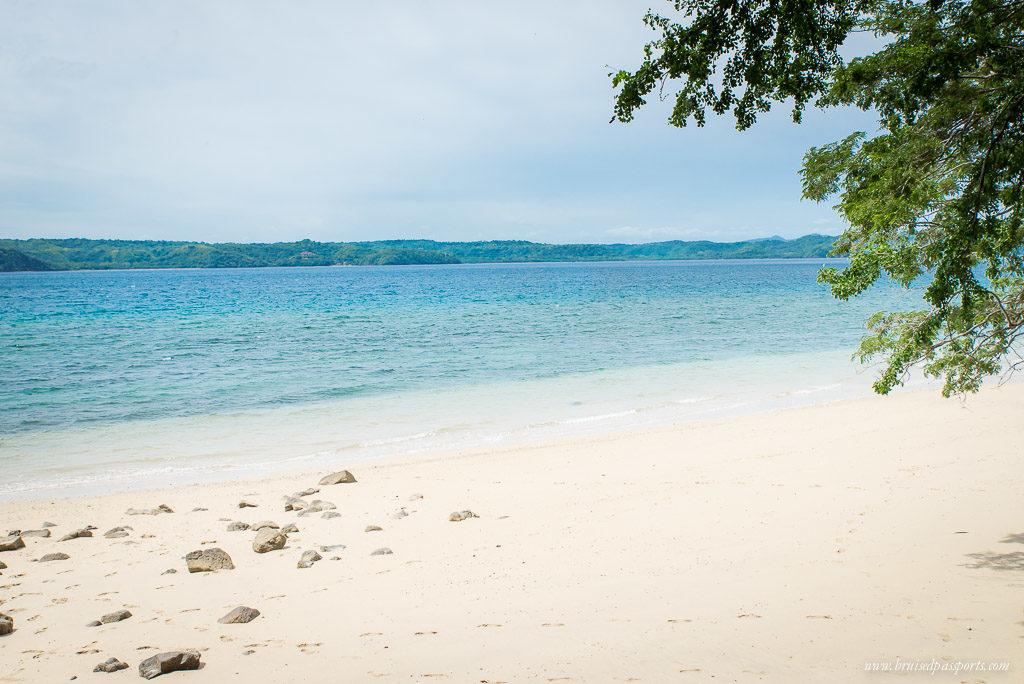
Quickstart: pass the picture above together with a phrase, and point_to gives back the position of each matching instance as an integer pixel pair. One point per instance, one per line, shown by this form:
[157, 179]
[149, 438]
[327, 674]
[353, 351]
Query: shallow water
[120, 379]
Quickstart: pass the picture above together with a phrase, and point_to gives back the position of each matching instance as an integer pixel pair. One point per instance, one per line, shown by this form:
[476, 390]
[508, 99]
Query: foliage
[933, 195]
[13, 260]
[113, 254]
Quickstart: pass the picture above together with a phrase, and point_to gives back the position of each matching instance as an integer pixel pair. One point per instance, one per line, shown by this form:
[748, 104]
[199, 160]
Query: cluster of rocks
[269, 536]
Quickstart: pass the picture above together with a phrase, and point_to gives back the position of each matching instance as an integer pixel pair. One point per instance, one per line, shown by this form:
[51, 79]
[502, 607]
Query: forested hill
[66, 254]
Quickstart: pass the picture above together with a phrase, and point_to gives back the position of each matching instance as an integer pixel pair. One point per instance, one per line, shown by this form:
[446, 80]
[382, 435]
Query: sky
[258, 121]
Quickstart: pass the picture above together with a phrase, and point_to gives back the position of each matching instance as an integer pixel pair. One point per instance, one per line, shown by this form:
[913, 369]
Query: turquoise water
[121, 379]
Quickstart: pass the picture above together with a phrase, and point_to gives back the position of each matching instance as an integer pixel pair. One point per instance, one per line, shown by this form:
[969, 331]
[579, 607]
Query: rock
[306, 492]
[162, 508]
[238, 526]
[94, 623]
[265, 523]
[13, 533]
[290, 528]
[415, 497]
[172, 661]
[53, 557]
[331, 514]
[399, 514]
[383, 551]
[316, 507]
[110, 665]
[84, 532]
[333, 547]
[6, 624]
[116, 616]
[3, 566]
[207, 560]
[48, 524]
[308, 558]
[35, 533]
[199, 509]
[169, 571]
[462, 515]
[340, 477]
[373, 528]
[295, 504]
[116, 532]
[246, 504]
[11, 543]
[240, 615]
[268, 539]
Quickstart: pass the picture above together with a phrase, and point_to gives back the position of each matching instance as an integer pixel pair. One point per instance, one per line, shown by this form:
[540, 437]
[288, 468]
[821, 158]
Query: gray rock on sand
[246, 504]
[269, 539]
[48, 524]
[94, 623]
[35, 533]
[172, 661]
[53, 557]
[462, 515]
[308, 558]
[208, 560]
[169, 571]
[340, 477]
[238, 526]
[415, 497]
[162, 508]
[399, 514]
[110, 665]
[383, 551]
[240, 615]
[11, 543]
[331, 514]
[294, 503]
[309, 491]
[3, 566]
[116, 616]
[290, 528]
[6, 624]
[117, 532]
[373, 528]
[84, 532]
[265, 523]
[333, 547]
[316, 507]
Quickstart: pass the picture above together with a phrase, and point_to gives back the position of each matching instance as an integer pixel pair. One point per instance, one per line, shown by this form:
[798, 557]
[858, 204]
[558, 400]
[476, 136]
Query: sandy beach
[798, 545]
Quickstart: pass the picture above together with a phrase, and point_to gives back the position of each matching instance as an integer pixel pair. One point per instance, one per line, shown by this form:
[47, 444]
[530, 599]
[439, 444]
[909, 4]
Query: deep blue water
[105, 350]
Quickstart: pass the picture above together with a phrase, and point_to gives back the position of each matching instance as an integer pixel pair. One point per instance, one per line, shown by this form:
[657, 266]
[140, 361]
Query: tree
[934, 193]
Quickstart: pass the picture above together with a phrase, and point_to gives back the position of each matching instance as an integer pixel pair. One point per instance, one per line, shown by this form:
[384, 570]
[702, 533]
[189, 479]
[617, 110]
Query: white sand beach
[792, 546]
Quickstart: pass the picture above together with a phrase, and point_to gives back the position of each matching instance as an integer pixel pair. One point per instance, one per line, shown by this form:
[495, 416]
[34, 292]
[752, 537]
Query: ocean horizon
[119, 380]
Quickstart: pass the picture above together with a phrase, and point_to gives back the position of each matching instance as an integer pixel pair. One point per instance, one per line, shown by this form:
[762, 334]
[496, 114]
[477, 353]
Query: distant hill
[80, 254]
[13, 260]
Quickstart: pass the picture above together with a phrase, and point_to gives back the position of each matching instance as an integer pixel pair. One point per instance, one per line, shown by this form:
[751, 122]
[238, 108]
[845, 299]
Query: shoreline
[788, 545]
[103, 459]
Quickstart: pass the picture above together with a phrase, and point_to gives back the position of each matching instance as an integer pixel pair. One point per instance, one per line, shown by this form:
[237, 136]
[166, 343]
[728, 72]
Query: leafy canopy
[935, 192]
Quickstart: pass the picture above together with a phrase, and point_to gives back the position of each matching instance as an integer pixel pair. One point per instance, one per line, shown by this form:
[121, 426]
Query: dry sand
[792, 546]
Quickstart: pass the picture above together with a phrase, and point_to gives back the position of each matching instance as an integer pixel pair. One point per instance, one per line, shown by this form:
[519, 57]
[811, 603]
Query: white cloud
[265, 120]
[656, 234]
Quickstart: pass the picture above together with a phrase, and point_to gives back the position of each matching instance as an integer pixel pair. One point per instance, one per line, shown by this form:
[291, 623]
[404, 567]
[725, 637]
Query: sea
[120, 380]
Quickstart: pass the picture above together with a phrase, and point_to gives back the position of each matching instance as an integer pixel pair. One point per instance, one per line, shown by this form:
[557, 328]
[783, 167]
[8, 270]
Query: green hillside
[79, 254]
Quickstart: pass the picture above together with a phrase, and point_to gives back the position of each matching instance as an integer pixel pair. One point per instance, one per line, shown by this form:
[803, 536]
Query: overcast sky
[337, 120]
